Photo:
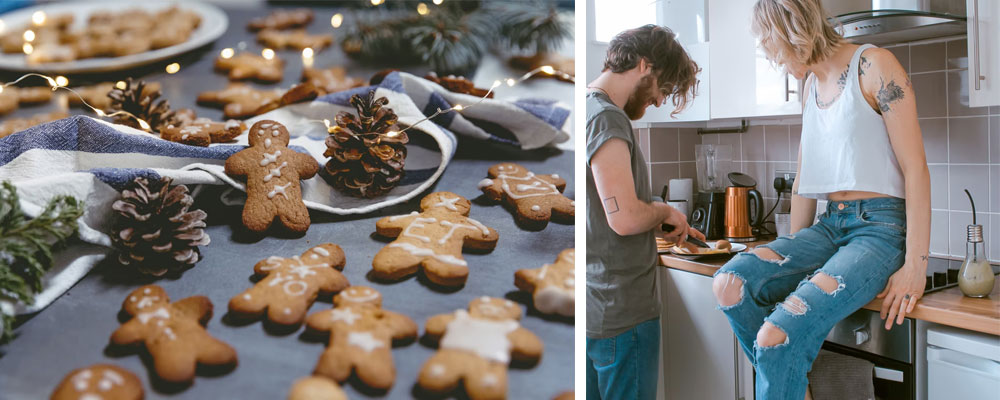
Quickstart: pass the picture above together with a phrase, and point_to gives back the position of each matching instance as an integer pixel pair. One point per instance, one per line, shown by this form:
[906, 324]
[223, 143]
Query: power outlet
[783, 181]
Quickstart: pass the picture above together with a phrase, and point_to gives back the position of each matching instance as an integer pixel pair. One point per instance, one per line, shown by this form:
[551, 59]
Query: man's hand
[681, 229]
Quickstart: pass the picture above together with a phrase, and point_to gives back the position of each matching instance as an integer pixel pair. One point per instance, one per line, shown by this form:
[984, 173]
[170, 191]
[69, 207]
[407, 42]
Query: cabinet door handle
[975, 42]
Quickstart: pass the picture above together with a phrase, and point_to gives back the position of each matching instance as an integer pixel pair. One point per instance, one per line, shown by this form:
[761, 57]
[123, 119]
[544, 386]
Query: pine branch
[26, 246]
[532, 26]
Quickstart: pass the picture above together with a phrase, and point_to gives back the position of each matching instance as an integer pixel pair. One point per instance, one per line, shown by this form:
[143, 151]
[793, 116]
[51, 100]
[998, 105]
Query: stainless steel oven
[863, 335]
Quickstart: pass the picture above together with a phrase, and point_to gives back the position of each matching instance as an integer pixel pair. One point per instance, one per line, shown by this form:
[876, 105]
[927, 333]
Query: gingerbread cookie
[272, 172]
[282, 19]
[239, 100]
[11, 98]
[251, 66]
[203, 131]
[96, 95]
[14, 125]
[173, 333]
[568, 395]
[297, 94]
[316, 388]
[99, 381]
[433, 238]
[296, 39]
[476, 347]
[458, 84]
[564, 67]
[361, 337]
[291, 285]
[535, 198]
[552, 285]
[330, 80]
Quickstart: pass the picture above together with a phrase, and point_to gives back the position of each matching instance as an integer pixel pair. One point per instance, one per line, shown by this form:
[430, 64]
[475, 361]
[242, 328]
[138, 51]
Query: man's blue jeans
[625, 366]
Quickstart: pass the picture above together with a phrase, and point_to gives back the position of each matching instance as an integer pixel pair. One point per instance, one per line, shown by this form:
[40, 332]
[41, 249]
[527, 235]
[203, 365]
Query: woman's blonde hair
[794, 31]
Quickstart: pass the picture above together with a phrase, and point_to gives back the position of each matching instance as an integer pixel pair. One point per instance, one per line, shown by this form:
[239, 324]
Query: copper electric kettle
[744, 208]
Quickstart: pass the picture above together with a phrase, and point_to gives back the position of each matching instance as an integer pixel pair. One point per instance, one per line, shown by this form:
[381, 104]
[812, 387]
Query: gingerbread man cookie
[316, 388]
[296, 39]
[251, 66]
[433, 238]
[282, 19]
[476, 346]
[330, 80]
[239, 100]
[99, 381]
[203, 131]
[361, 336]
[173, 333]
[291, 285]
[535, 198]
[552, 285]
[272, 172]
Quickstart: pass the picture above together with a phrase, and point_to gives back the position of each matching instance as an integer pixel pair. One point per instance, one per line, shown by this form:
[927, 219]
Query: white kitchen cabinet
[984, 52]
[744, 83]
[700, 356]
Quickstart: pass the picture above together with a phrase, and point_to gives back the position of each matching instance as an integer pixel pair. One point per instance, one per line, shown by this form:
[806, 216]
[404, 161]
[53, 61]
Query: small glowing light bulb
[143, 124]
[172, 68]
[3, 26]
[422, 9]
[29, 35]
[267, 53]
[326, 122]
[99, 112]
[392, 133]
[377, 2]
[457, 107]
[1, 88]
[62, 81]
[38, 17]
[511, 82]
[548, 69]
[227, 53]
[120, 85]
[438, 2]
[28, 48]
[307, 52]
[496, 84]
[336, 20]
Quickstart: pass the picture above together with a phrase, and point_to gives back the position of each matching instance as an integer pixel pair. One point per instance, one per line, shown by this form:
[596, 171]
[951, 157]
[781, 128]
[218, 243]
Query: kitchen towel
[92, 160]
[835, 376]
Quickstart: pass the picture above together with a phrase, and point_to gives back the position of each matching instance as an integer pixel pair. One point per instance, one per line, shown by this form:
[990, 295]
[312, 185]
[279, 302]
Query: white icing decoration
[570, 282]
[485, 183]
[451, 229]
[147, 301]
[485, 338]
[569, 256]
[191, 129]
[90, 396]
[553, 299]
[303, 270]
[144, 317]
[147, 290]
[288, 283]
[417, 223]
[278, 189]
[246, 296]
[321, 251]
[534, 184]
[267, 142]
[270, 158]
[184, 136]
[420, 251]
[536, 208]
[486, 231]
[491, 310]
[353, 295]
[573, 203]
[80, 380]
[556, 176]
[484, 299]
[490, 380]
[232, 124]
[437, 370]
[509, 303]
[272, 262]
[364, 340]
[266, 125]
[344, 314]
[395, 217]
[448, 203]
[109, 379]
[288, 311]
[275, 133]
[170, 333]
[160, 322]
[133, 299]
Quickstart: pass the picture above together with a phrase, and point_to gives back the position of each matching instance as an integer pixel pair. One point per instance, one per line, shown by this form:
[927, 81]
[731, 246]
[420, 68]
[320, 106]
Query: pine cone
[155, 231]
[367, 157]
[141, 100]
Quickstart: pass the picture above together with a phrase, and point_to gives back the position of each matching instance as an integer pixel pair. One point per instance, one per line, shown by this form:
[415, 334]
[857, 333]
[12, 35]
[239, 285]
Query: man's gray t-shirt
[621, 270]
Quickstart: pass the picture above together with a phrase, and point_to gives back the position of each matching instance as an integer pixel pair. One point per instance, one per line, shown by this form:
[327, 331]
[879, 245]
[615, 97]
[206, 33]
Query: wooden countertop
[946, 307]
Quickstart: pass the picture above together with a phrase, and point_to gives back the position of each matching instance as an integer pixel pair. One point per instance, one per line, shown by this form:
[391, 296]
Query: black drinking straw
[973, 206]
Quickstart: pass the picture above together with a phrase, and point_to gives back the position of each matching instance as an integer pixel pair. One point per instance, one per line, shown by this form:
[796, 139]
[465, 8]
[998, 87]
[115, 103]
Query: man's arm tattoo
[611, 205]
[888, 94]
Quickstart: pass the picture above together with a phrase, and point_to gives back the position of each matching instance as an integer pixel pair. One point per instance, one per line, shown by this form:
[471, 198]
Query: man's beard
[643, 95]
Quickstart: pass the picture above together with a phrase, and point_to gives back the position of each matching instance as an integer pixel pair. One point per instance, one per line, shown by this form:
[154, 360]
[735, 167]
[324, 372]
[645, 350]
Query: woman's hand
[905, 287]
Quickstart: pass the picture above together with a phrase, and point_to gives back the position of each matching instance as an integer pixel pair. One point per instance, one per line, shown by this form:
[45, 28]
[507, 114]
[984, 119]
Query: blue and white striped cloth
[92, 159]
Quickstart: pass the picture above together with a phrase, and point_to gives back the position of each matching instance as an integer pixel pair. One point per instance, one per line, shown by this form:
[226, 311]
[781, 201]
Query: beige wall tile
[688, 137]
[927, 57]
[928, 89]
[753, 144]
[939, 186]
[776, 142]
[940, 231]
[973, 177]
[935, 134]
[663, 144]
[968, 140]
[660, 174]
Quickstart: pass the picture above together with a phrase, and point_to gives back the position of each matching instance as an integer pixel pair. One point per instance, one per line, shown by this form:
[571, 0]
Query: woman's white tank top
[846, 146]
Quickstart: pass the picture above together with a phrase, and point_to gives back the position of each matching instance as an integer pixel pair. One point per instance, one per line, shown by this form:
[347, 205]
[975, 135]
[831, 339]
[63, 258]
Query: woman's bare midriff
[849, 195]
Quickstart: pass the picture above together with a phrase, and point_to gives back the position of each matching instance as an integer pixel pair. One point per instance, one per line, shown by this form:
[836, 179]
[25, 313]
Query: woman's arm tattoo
[888, 94]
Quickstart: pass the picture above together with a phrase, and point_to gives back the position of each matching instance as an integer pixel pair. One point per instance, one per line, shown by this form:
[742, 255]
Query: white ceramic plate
[213, 24]
[736, 248]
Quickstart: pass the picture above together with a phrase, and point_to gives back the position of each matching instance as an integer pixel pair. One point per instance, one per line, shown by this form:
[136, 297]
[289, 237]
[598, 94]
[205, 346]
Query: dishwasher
[962, 364]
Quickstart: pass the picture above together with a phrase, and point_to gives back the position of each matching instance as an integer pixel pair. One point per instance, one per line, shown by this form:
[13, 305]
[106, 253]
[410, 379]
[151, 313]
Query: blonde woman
[861, 149]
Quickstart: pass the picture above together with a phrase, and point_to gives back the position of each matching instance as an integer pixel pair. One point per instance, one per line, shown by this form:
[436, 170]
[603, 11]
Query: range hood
[889, 22]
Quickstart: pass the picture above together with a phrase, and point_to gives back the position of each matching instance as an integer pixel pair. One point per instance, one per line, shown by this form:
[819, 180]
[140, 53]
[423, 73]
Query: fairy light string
[60, 82]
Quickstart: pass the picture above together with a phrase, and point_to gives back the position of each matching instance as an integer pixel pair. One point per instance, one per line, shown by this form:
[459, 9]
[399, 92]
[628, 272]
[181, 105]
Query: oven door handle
[889, 374]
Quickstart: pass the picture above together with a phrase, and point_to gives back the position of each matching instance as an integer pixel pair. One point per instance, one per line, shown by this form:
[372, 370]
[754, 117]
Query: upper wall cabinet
[744, 82]
[984, 52]
[687, 18]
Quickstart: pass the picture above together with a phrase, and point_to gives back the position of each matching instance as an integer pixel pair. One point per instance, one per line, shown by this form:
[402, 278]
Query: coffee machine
[712, 162]
[744, 208]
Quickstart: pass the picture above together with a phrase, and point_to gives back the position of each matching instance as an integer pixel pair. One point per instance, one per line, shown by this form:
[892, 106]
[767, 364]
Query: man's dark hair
[676, 73]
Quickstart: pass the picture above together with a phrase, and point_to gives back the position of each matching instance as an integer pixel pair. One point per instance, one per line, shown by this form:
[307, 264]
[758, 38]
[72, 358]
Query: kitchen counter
[946, 307]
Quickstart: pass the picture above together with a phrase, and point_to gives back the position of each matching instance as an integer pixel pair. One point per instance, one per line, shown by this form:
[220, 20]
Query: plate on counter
[213, 24]
[706, 253]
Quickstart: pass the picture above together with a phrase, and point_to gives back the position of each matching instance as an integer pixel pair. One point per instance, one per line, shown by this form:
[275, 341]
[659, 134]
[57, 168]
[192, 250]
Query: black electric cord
[764, 220]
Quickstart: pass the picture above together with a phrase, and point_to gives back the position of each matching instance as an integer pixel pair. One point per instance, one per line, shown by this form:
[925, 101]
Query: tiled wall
[962, 146]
